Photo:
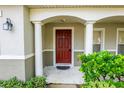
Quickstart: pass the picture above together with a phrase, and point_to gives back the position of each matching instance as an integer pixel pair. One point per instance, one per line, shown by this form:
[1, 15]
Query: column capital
[37, 22]
[90, 22]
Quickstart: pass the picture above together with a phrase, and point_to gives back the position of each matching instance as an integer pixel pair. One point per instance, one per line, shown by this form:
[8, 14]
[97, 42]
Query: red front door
[63, 46]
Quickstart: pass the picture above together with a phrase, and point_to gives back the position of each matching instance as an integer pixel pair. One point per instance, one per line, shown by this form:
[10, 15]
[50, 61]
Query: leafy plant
[102, 66]
[13, 82]
[99, 84]
[36, 82]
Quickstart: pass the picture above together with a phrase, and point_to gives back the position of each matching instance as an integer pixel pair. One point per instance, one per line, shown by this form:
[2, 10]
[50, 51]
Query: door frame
[54, 47]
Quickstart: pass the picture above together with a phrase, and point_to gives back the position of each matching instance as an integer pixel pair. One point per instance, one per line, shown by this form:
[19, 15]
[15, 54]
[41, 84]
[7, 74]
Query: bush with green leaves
[36, 82]
[99, 84]
[102, 66]
[13, 82]
[103, 84]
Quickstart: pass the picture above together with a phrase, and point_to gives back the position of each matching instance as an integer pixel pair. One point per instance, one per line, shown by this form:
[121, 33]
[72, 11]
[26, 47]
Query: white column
[89, 37]
[38, 49]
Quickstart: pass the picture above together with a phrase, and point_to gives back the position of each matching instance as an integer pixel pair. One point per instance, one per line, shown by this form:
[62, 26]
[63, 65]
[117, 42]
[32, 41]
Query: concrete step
[63, 86]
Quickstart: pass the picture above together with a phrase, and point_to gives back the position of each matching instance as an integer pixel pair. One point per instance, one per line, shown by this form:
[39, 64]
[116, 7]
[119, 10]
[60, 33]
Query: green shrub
[13, 82]
[99, 84]
[102, 64]
[119, 84]
[36, 82]
[103, 84]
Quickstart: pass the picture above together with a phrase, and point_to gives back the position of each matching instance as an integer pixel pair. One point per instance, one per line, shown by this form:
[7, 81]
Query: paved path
[69, 76]
[63, 86]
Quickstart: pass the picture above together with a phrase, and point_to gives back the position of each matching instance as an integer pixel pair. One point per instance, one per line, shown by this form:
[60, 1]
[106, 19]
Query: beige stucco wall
[17, 44]
[21, 39]
[28, 32]
[28, 44]
[29, 68]
[10, 68]
[48, 58]
[12, 42]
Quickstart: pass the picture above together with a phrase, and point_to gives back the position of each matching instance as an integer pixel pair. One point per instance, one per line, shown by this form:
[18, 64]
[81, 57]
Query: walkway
[69, 76]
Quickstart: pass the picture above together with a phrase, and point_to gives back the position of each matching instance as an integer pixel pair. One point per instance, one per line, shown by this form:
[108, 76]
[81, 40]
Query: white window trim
[0, 13]
[54, 47]
[103, 36]
[77, 50]
[117, 36]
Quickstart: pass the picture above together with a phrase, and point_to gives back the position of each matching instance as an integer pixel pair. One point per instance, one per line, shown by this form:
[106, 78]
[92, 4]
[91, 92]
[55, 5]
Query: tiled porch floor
[69, 76]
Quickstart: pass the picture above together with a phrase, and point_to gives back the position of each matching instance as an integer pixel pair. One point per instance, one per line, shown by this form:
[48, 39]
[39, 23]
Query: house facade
[48, 35]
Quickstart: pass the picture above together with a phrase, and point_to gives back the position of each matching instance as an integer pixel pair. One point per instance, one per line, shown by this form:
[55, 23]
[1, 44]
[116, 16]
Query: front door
[63, 46]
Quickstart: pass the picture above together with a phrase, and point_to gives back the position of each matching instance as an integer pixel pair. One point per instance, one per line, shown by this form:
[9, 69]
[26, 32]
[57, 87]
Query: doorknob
[69, 49]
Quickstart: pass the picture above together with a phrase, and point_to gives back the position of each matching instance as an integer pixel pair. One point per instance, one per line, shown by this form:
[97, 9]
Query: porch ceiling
[114, 19]
[63, 19]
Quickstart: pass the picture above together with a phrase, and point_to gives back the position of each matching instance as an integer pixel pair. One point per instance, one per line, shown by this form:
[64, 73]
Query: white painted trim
[103, 36]
[11, 57]
[117, 36]
[113, 50]
[45, 50]
[16, 57]
[54, 46]
[76, 50]
[0, 13]
[29, 55]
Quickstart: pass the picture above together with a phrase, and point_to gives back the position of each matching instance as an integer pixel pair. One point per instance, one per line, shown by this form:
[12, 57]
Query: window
[98, 41]
[121, 42]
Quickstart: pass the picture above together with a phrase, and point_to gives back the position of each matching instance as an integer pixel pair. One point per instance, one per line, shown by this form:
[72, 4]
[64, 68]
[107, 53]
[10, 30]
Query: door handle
[69, 49]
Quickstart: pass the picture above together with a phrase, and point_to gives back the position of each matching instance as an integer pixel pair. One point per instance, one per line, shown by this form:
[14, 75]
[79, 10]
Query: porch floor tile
[69, 76]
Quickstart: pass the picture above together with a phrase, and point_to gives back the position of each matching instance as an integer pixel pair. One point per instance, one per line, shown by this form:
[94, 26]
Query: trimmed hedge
[36, 82]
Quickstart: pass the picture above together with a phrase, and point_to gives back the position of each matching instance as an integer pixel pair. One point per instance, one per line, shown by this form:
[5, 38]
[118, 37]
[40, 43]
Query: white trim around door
[54, 46]
[102, 36]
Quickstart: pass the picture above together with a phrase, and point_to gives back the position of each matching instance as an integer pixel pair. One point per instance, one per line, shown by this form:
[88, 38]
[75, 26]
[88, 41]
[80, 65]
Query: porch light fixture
[8, 25]
[63, 20]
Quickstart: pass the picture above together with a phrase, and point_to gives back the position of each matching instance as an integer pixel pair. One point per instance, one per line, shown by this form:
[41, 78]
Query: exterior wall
[16, 46]
[12, 57]
[48, 58]
[29, 68]
[28, 44]
[10, 68]
[28, 33]
[110, 34]
[12, 42]
[76, 59]
[48, 40]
